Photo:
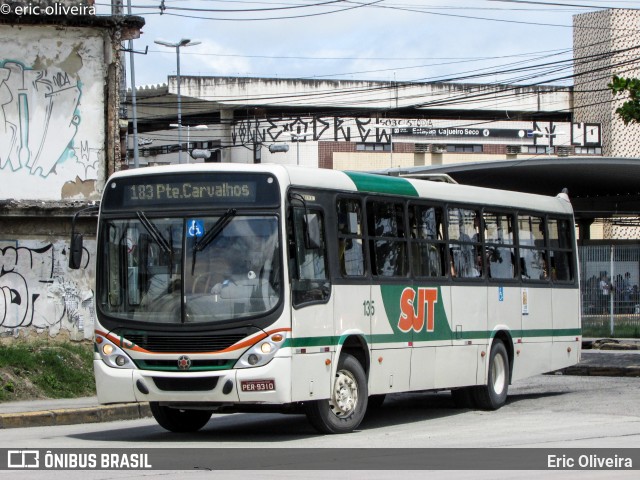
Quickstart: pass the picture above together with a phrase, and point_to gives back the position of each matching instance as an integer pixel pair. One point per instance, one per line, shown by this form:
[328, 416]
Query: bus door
[311, 304]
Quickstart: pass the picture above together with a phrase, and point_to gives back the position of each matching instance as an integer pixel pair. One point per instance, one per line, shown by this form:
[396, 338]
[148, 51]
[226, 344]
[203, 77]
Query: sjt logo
[413, 315]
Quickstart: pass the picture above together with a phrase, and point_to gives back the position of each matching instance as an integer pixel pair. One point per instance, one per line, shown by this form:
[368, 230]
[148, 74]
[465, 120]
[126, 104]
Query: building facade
[369, 125]
[605, 44]
[59, 141]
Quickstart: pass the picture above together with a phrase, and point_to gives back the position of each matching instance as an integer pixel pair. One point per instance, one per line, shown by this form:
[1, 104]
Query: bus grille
[179, 344]
[185, 384]
[172, 365]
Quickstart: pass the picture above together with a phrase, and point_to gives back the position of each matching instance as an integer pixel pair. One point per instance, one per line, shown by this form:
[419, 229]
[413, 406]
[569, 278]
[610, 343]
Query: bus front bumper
[268, 384]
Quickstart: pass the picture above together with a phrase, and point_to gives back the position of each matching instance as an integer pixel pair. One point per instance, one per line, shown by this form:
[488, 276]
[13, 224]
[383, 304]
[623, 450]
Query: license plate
[257, 385]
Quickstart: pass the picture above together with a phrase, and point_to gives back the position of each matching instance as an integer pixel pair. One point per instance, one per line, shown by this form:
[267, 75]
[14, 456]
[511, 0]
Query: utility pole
[134, 113]
[117, 10]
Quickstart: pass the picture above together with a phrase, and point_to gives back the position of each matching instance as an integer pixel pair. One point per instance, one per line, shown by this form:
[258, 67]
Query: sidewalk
[70, 411]
[616, 359]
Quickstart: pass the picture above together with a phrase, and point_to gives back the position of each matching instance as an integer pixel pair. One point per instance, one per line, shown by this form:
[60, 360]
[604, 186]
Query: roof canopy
[598, 187]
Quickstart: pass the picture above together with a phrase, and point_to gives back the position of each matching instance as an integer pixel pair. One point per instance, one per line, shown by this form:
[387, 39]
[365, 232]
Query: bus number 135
[369, 309]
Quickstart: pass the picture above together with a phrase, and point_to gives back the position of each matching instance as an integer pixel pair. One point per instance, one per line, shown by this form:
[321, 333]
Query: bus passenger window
[350, 243]
[464, 243]
[385, 222]
[427, 245]
[532, 243]
[560, 255]
[500, 249]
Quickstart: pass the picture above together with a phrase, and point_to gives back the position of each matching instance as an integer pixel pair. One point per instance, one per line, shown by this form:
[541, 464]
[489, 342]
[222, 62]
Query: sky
[482, 41]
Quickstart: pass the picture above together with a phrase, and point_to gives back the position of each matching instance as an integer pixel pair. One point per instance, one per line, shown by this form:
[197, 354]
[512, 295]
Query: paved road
[546, 412]
[543, 411]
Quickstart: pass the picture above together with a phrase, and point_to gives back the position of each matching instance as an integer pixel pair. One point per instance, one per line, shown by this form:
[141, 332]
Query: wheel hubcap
[499, 374]
[345, 394]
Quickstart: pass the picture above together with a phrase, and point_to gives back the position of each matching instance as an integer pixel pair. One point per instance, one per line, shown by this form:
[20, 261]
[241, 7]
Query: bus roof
[351, 181]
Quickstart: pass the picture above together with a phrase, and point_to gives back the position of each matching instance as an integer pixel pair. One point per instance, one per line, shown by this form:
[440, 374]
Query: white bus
[226, 287]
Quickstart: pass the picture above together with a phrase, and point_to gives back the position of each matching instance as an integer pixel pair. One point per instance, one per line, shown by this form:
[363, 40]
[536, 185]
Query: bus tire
[178, 420]
[345, 409]
[493, 395]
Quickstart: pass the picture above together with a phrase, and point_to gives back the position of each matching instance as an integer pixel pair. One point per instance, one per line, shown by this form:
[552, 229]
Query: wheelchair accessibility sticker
[195, 228]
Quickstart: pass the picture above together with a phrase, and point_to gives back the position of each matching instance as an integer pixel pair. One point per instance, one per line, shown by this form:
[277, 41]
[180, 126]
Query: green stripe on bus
[401, 337]
[311, 342]
[557, 332]
[367, 182]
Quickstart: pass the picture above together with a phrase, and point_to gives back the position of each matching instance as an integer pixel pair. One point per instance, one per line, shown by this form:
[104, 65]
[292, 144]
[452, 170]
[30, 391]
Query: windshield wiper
[155, 233]
[211, 235]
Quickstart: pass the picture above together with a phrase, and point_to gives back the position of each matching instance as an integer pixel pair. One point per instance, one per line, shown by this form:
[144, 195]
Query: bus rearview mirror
[75, 251]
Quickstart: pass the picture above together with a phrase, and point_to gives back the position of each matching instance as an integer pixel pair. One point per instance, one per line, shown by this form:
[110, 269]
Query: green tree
[629, 112]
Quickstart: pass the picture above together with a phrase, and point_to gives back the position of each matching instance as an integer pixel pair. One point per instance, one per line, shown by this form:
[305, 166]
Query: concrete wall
[38, 294]
[52, 112]
[59, 137]
[371, 94]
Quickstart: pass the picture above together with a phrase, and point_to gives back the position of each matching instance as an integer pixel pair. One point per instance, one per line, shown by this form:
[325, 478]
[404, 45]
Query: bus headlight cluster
[262, 352]
[111, 354]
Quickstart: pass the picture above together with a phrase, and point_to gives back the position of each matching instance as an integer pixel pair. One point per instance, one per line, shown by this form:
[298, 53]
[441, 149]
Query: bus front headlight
[261, 352]
[111, 354]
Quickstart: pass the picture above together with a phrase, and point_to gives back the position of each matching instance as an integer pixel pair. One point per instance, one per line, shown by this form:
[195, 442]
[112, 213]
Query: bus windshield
[173, 270]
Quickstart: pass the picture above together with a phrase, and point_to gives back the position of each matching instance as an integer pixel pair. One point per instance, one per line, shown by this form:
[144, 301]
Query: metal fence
[610, 279]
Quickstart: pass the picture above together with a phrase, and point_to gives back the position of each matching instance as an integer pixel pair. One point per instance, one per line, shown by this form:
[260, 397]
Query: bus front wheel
[343, 412]
[177, 420]
[493, 395]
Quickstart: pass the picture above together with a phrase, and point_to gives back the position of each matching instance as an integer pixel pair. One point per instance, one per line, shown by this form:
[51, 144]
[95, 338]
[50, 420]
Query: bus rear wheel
[493, 395]
[343, 412]
[179, 420]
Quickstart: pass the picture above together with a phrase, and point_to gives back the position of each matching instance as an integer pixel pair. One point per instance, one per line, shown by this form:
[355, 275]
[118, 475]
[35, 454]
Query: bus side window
[427, 245]
[464, 243]
[350, 243]
[500, 249]
[532, 246]
[560, 255]
[310, 280]
[388, 244]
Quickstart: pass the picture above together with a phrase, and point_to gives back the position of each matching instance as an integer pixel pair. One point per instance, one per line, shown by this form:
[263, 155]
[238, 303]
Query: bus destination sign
[169, 192]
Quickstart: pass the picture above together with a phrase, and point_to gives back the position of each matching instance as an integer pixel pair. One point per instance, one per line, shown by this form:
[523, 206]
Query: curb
[74, 416]
[593, 371]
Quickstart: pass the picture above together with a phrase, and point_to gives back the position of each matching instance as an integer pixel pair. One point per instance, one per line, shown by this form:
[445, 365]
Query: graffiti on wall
[362, 130]
[273, 129]
[39, 119]
[37, 291]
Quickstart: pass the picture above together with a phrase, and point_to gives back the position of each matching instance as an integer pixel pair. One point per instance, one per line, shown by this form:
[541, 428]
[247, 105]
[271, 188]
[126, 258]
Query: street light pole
[295, 137]
[197, 127]
[185, 42]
